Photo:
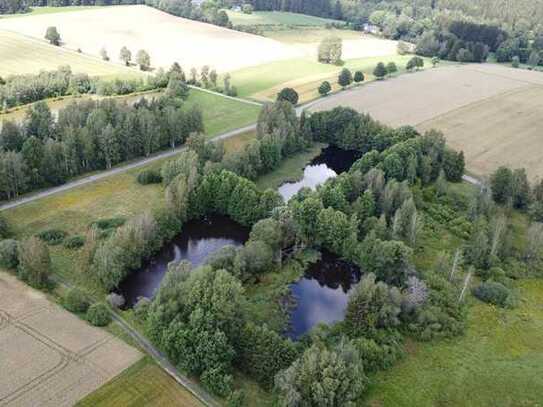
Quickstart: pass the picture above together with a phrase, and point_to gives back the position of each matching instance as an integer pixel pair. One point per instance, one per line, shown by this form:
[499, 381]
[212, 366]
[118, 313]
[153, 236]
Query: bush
[75, 301]
[52, 236]
[111, 223]
[74, 242]
[147, 177]
[98, 314]
[359, 76]
[325, 88]
[9, 258]
[493, 293]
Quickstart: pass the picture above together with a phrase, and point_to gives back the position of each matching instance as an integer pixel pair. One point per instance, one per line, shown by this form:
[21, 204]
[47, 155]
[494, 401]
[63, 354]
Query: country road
[114, 171]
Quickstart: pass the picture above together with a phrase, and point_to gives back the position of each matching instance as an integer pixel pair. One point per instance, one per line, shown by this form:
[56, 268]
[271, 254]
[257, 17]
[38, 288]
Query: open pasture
[165, 37]
[23, 55]
[491, 112]
[49, 356]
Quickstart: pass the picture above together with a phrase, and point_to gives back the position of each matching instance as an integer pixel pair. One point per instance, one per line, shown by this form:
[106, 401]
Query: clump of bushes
[147, 177]
[98, 314]
[75, 301]
[74, 242]
[52, 236]
[9, 258]
[110, 223]
[495, 293]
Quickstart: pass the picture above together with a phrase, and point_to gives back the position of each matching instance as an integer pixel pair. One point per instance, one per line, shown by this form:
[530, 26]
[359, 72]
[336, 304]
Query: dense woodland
[86, 136]
[379, 215]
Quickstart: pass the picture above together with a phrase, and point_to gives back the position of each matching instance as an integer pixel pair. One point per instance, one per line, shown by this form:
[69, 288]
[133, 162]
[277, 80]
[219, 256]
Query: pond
[198, 240]
[321, 296]
[331, 162]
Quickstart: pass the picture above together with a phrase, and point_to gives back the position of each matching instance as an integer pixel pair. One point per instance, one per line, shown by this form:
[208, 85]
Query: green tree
[52, 35]
[103, 54]
[345, 78]
[325, 88]
[9, 257]
[125, 55]
[380, 71]
[330, 50]
[337, 374]
[289, 95]
[34, 262]
[372, 306]
[143, 60]
[502, 186]
[515, 62]
[435, 61]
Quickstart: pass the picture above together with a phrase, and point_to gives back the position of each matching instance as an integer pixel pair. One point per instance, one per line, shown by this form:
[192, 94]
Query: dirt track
[49, 356]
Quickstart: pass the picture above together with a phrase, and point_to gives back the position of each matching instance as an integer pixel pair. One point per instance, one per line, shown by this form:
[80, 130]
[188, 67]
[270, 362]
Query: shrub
[98, 314]
[141, 308]
[493, 293]
[75, 301]
[74, 242]
[52, 236]
[515, 62]
[147, 177]
[111, 223]
[325, 88]
[9, 258]
[359, 76]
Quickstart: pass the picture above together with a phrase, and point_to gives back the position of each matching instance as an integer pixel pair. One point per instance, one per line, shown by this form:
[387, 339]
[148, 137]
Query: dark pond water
[331, 162]
[197, 241]
[322, 294]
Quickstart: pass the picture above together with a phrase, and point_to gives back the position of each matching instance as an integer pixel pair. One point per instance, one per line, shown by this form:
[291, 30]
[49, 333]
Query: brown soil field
[50, 357]
[165, 37]
[493, 113]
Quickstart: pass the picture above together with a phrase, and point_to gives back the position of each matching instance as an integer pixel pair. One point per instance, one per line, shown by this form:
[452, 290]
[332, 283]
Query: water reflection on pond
[331, 162]
[198, 240]
[322, 294]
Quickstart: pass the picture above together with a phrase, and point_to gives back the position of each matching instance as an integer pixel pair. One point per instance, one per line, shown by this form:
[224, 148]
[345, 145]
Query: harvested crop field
[165, 37]
[49, 356]
[491, 112]
[23, 55]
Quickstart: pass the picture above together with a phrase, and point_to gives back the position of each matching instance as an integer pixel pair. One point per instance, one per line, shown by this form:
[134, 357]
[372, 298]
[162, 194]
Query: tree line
[88, 136]
[18, 90]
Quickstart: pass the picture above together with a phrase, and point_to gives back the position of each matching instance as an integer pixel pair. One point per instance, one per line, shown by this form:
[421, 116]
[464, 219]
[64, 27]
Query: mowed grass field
[492, 113]
[498, 362]
[24, 55]
[48, 10]
[142, 385]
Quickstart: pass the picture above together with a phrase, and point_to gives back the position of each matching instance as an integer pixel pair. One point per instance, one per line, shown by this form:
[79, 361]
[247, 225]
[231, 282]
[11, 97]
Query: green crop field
[22, 55]
[277, 18]
[143, 384]
[304, 75]
[498, 362]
